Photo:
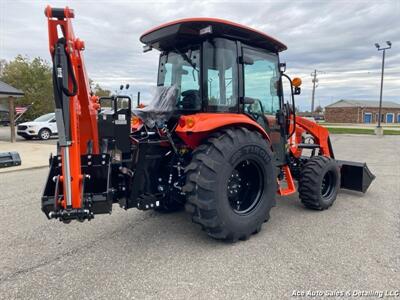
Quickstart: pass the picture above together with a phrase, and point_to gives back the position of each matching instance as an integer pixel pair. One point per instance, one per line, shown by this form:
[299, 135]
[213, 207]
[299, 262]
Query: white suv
[43, 127]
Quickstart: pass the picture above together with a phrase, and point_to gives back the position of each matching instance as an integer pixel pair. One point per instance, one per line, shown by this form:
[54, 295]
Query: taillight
[182, 122]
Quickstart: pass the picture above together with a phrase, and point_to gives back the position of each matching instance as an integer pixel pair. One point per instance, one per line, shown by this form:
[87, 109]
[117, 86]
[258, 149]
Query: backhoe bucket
[355, 176]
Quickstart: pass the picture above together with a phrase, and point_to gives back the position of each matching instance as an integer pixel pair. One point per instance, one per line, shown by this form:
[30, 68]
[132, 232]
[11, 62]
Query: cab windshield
[182, 69]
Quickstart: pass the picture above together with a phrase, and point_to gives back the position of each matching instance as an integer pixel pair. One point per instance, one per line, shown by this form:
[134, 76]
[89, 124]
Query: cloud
[335, 37]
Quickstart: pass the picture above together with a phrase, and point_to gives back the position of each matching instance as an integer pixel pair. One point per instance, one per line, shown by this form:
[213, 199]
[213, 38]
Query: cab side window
[261, 80]
[220, 72]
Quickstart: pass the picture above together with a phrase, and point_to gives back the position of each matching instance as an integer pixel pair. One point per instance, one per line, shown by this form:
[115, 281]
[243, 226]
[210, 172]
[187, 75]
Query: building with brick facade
[358, 111]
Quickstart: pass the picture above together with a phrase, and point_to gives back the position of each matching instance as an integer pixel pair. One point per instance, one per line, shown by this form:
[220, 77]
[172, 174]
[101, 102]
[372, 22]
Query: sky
[334, 37]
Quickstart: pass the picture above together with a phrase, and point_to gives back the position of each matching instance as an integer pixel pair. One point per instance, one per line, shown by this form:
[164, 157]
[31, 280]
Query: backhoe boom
[76, 108]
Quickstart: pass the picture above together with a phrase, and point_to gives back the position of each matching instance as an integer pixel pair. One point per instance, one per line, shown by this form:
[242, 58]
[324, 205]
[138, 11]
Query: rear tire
[44, 134]
[231, 184]
[319, 182]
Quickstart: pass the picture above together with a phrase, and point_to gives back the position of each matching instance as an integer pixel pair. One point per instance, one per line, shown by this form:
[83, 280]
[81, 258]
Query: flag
[20, 109]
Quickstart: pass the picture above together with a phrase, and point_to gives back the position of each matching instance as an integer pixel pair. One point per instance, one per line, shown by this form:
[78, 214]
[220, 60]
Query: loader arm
[355, 176]
[319, 133]
[75, 107]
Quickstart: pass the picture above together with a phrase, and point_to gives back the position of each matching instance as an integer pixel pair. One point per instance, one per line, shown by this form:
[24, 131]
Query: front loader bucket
[355, 176]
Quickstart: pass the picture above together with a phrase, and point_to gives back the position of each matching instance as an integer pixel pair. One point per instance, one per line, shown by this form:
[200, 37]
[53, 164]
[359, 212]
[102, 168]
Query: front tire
[319, 182]
[44, 134]
[231, 184]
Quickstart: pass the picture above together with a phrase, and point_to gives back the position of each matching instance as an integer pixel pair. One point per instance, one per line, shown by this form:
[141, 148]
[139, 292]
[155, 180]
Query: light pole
[389, 45]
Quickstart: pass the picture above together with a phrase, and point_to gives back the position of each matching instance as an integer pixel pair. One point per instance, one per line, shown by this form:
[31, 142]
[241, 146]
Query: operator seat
[191, 99]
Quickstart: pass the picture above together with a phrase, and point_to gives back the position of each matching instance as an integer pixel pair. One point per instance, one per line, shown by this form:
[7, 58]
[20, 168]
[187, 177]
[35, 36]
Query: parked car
[310, 119]
[43, 127]
[319, 118]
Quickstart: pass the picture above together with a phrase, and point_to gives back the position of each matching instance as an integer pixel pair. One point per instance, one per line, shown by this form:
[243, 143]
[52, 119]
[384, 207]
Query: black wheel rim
[245, 186]
[328, 184]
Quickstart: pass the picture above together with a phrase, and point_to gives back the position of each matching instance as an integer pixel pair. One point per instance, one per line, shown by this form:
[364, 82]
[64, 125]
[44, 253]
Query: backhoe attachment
[77, 186]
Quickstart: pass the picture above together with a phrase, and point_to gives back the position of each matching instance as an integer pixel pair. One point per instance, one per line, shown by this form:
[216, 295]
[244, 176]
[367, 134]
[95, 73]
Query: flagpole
[22, 113]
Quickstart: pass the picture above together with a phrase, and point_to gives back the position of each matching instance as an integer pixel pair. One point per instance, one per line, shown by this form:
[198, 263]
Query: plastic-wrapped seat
[161, 107]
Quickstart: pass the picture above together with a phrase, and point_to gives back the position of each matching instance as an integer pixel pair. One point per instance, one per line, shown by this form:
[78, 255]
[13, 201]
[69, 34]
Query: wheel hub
[45, 134]
[234, 183]
[327, 185]
[244, 187]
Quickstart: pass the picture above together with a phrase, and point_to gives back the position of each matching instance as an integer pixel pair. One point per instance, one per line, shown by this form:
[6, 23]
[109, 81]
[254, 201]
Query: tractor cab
[222, 67]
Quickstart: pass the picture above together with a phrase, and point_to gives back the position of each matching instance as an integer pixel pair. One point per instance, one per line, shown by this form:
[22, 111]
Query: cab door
[261, 96]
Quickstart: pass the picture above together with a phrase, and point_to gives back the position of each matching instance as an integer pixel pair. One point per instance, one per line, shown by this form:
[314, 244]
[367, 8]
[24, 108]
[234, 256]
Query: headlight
[31, 126]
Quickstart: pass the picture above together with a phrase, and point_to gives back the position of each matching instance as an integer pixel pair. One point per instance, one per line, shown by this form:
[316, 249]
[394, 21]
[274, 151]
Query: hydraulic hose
[58, 79]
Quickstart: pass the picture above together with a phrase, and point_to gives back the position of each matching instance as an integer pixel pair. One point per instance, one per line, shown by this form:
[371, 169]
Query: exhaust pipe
[355, 176]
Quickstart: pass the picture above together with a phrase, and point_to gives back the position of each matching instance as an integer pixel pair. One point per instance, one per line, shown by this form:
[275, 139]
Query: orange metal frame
[319, 133]
[290, 188]
[321, 137]
[83, 106]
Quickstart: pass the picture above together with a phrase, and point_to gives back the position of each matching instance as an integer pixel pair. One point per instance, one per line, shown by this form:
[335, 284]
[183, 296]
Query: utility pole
[379, 130]
[314, 81]
[11, 114]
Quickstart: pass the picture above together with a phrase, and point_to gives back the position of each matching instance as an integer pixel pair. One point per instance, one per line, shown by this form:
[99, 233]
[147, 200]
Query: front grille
[22, 127]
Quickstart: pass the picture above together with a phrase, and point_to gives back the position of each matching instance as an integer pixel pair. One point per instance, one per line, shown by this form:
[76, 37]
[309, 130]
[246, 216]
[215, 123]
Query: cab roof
[182, 32]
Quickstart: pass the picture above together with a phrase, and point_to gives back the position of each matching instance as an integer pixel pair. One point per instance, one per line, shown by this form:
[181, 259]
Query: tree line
[34, 78]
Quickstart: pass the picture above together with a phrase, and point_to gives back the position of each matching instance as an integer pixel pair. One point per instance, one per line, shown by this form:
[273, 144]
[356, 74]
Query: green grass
[370, 125]
[342, 130]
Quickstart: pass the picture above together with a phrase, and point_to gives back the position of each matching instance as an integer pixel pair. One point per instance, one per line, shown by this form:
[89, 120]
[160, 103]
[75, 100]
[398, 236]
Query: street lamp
[389, 45]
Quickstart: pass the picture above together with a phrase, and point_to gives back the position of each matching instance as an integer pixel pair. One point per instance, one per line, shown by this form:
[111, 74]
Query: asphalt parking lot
[5, 136]
[132, 254]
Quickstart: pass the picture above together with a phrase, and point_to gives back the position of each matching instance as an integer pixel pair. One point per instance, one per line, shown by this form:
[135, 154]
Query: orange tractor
[218, 137]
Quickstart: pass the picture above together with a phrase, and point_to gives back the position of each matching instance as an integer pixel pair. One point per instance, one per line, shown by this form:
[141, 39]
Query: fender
[192, 129]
